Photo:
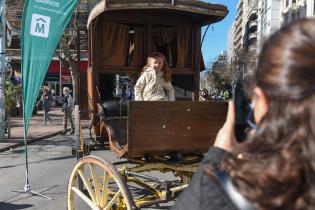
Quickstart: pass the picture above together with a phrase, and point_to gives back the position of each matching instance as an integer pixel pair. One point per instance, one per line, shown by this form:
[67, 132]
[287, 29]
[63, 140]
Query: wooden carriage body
[159, 128]
[155, 135]
[121, 36]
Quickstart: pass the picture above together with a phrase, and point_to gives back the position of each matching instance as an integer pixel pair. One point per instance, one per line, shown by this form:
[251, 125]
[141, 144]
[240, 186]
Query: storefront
[59, 74]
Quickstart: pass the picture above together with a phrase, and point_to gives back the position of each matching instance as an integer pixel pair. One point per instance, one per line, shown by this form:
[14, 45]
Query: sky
[215, 40]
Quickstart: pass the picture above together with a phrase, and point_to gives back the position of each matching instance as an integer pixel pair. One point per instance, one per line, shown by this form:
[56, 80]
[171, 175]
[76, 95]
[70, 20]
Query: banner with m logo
[43, 25]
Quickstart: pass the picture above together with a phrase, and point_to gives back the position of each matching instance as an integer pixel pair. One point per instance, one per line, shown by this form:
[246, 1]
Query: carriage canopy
[123, 33]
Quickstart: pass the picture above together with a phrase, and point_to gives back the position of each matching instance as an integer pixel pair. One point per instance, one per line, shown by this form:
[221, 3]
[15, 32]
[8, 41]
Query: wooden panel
[90, 88]
[197, 53]
[161, 127]
[120, 128]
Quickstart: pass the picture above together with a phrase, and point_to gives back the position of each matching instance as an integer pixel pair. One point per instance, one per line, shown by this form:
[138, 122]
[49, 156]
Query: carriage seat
[115, 108]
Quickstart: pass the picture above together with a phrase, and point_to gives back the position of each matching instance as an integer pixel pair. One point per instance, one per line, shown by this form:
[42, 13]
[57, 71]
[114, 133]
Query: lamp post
[2, 70]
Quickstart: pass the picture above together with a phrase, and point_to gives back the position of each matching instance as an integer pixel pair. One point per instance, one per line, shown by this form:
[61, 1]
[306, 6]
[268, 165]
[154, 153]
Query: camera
[242, 109]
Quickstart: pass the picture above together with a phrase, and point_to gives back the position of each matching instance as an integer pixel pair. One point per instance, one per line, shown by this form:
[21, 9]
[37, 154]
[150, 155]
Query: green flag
[44, 22]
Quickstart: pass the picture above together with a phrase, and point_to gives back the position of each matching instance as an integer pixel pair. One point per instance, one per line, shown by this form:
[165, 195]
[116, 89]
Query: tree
[220, 76]
[71, 45]
[223, 73]
[68, 55]
[244, 63]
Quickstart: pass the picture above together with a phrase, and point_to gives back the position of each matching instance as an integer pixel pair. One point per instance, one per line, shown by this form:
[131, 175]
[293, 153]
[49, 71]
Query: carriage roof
[201, 12]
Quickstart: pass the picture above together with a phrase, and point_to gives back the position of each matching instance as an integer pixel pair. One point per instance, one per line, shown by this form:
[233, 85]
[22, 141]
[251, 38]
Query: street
[50, 165]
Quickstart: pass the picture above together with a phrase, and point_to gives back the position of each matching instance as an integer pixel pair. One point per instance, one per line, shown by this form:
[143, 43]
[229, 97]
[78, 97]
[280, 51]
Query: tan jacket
[151, 86]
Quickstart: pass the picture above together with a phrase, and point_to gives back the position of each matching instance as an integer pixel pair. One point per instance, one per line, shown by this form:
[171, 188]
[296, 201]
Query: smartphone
[242, 109]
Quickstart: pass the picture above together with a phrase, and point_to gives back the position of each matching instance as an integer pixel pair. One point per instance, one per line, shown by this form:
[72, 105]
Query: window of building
[287, 3]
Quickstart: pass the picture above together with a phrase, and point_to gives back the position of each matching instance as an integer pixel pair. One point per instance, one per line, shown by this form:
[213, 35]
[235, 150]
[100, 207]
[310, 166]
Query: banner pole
[27, 186]
[27, 191]
[43, 24]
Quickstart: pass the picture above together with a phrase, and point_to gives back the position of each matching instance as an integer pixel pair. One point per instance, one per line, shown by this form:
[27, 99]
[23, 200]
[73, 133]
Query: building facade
[230, 42]
[243, 31]
[239, 25]
[292, 10]
[256, 20]
[250, 36]
[269, 16]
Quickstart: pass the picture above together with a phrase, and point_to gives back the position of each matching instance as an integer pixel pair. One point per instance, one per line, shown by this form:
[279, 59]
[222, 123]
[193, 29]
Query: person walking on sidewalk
[45, 105]
[67, 108]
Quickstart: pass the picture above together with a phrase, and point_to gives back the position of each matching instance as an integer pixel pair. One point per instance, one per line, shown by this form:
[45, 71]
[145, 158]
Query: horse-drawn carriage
[150, 135]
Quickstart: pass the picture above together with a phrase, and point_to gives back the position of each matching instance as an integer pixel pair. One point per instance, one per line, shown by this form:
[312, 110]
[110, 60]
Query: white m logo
[40, 25]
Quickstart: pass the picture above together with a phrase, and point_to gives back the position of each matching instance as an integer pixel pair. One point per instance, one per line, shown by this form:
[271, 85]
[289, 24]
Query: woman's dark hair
[165, 69]
[278, 168]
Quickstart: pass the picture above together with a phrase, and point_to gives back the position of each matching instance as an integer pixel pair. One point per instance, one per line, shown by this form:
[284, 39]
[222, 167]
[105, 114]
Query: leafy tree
[68, 55]
[13, 95]
[244, 63]
[224, 73]
[220, 77]
[70, 45]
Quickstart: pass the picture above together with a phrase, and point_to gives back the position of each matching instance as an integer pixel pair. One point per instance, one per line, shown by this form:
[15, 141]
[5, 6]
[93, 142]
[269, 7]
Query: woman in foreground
[276, 168]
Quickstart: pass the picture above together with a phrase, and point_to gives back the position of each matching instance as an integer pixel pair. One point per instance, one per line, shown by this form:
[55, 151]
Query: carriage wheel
[103, 186]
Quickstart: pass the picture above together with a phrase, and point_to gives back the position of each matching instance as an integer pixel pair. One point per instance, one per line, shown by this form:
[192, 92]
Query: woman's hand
[226, 137]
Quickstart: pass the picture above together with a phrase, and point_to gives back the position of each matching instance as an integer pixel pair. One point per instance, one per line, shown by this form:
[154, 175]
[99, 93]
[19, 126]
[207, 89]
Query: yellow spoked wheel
[102, 186]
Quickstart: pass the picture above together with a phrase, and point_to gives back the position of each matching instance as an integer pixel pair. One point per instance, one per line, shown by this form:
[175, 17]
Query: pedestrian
[44, 100]
[275, 167]
[67, 108]
[154, 84]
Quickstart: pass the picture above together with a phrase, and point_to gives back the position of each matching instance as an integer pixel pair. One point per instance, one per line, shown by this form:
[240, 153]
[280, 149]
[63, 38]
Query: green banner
[44, 22]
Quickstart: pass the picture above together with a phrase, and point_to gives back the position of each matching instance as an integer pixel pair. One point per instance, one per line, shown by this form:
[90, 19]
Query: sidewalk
[37, 131]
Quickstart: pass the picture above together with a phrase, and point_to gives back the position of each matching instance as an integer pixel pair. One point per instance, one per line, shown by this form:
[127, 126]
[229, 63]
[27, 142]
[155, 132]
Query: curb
[30, 141]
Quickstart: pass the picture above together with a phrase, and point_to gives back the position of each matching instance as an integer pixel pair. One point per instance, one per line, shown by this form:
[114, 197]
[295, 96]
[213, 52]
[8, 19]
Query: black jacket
[204, 192]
